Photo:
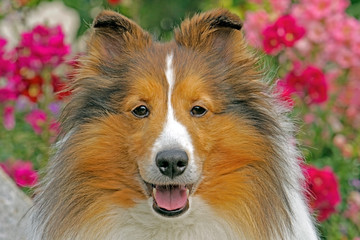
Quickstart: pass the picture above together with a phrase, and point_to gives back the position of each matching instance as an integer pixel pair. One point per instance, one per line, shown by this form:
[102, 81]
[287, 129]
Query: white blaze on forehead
[174, 134]
[169, 73]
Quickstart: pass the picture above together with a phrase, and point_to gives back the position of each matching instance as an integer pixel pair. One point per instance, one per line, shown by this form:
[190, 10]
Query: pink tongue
[171, 198]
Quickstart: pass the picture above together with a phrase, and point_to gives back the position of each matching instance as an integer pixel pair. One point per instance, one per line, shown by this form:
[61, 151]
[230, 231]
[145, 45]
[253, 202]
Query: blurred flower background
[310, 48]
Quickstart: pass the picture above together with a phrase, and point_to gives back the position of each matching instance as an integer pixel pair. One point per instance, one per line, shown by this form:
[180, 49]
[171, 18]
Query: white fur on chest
[141, 222]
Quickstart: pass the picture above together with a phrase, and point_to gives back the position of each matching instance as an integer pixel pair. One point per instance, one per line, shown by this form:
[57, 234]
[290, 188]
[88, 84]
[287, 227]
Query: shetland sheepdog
[177, 140]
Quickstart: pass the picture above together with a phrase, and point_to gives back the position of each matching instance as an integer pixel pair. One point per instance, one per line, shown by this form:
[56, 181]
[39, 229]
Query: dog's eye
[141, 111]
[198, 111]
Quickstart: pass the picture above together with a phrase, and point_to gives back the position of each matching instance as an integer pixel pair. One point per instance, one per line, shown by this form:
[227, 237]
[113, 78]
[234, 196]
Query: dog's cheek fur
[103, 158]
[92, 172]
[239, 180]
[102, 173]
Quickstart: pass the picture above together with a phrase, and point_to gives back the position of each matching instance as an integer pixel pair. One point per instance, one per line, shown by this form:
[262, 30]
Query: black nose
[172, 163]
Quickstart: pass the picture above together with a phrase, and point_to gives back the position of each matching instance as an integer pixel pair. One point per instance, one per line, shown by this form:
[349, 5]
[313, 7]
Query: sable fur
[251, 181]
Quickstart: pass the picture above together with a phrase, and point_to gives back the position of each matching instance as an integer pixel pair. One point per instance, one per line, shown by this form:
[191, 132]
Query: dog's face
[163, 121]
[167, 122]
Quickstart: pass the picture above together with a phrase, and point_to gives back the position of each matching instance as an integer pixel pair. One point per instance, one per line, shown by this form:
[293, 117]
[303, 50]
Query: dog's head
[167, 122]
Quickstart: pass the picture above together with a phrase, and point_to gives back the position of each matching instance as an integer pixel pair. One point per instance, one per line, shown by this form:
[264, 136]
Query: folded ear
[212, 30]
[114, 33]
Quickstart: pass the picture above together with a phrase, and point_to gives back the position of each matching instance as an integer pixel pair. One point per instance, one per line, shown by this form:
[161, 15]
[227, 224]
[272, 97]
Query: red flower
[311, 82]
[24, 174]
[21, 171]
[295, 82]
[288, 30]
[322, 191]
[9, 118]
[114, 2]
[284, 31]
[271, 42]
[59, 87]
[32, 88]
[317, 84]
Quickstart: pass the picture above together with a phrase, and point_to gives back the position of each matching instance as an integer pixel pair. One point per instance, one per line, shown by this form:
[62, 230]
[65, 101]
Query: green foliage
[22, 143]
[354, 9]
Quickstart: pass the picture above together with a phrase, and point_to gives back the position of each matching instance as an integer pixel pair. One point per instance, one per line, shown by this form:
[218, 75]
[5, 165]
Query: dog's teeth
[154, 191]
[187, 192]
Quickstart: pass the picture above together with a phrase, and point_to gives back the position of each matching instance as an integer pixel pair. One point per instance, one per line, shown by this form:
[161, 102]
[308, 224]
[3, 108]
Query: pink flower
[353, 210]
[21, 171]
[36, 119]
[346, 58]
[340, 141]
[254, 25]
[280, 6]
[7, 66]
[355, 45]
[40, 47]
[9, 118]
[343, 28]
[54, 127]
[319, 9]
[24, 174]
[329, 52]
[316, 32]
[2, 43]
[322, 190]
[302, 48]
[7, 94]
[309, 118]
[348, 99]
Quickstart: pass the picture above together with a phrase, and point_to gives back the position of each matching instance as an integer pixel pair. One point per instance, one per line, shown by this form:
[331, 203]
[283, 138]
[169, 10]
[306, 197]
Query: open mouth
[170, 200]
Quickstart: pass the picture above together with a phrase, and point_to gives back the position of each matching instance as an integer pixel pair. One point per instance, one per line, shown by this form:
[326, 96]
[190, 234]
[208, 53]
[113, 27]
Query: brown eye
[198, 111]
[141, 111]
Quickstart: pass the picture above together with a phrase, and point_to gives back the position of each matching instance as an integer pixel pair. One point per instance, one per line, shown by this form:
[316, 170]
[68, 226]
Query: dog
[176, 140]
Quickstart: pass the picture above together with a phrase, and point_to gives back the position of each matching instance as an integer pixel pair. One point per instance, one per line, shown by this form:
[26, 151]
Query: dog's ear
[212, 30]
[114, 33]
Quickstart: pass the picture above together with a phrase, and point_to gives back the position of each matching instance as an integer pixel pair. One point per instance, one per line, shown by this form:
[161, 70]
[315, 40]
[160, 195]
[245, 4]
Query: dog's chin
[169, 200]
